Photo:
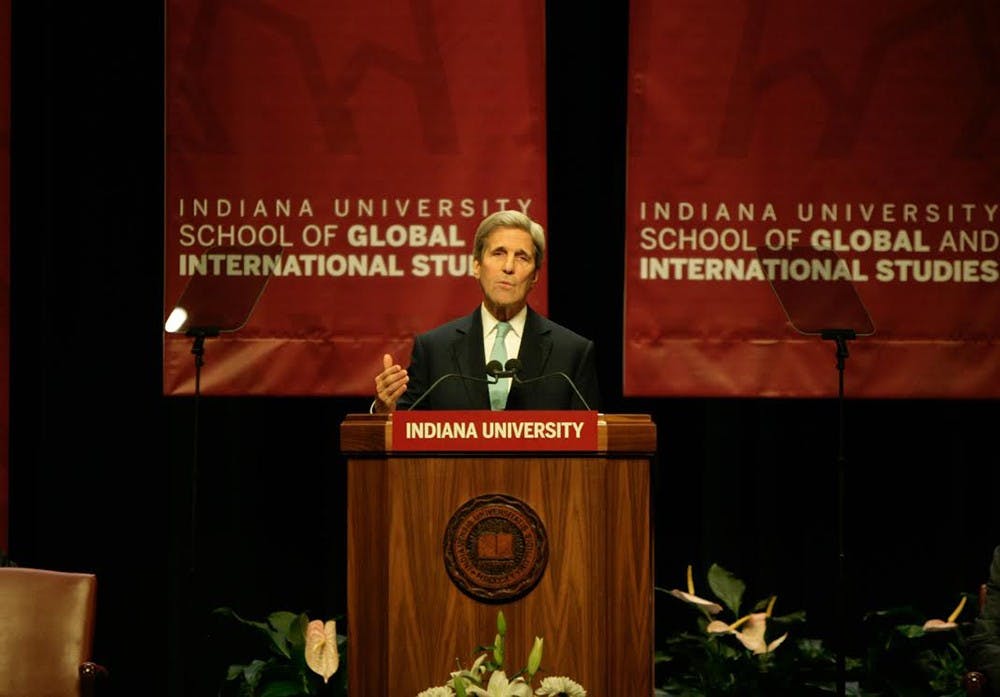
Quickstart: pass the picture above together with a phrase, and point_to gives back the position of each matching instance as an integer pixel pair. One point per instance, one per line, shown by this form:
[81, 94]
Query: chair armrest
[974, 683]
[90, 675]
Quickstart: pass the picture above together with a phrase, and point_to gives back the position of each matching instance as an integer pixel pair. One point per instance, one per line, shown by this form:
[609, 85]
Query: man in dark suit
[507, 255]
[982, 645]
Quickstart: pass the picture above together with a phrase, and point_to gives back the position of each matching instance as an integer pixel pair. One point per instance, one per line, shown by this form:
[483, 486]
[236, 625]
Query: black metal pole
[195, 591]
[840, 337]
[198, 350]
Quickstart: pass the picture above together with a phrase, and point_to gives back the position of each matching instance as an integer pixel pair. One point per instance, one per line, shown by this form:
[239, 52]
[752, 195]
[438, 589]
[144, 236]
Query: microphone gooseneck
[513, 367]
[494, 372]
[447, 376]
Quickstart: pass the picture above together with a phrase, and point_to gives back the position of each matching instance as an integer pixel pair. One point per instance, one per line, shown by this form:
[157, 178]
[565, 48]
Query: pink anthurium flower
[950, 623]
[322, 656]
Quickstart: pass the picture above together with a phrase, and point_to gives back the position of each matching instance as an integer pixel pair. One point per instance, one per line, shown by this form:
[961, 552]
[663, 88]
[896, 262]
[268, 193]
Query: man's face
[507, 271]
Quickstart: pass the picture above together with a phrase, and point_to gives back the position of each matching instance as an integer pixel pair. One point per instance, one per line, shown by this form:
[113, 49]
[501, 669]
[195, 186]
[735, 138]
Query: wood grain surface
[408, 623]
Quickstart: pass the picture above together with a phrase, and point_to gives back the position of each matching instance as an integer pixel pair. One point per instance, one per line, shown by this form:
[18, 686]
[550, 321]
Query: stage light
[176, 321]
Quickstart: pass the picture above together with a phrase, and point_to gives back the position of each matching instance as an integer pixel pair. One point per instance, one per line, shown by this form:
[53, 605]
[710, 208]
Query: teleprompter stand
[832, 310]
[211, 304]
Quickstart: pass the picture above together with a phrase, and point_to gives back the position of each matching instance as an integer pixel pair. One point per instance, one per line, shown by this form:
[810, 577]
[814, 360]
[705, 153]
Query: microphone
[497, 371]
[513, 367]
[448, 376]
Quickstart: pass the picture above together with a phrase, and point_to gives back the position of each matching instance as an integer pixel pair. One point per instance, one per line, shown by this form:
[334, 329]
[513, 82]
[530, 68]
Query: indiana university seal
[495, 548]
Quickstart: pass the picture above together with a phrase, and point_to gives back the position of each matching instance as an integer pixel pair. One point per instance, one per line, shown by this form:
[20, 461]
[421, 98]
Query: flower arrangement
[728, 654]
[755, 653]
[487, 676]
[302, 657]
[731, 653]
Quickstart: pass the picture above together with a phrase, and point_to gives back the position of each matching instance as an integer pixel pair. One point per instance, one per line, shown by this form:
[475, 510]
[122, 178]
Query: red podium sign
[464, 431]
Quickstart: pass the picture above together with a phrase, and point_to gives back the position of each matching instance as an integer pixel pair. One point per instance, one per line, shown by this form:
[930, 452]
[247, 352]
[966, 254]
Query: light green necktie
[498, 390]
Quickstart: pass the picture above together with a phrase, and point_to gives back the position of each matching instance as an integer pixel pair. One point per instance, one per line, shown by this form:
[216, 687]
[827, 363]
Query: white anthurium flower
[322, 656]
[718, 627]
[950, 623]
[559, 685]
[752, 636]
[690, 597]
[499, 686]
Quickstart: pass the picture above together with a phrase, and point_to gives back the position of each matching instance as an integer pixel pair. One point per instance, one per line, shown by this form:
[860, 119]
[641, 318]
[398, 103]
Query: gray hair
[513, 219]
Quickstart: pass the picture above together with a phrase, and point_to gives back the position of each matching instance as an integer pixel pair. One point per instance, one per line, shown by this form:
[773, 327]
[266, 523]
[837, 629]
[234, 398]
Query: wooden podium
[408, 621]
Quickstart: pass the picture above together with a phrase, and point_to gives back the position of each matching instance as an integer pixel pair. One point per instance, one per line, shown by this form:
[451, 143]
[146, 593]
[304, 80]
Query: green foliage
[281, 671]
[696, 663]
[727, 588]
[900, 658]
[904, 660]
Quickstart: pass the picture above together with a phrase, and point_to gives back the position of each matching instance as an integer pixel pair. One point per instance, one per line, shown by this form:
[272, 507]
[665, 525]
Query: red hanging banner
[345, 153]
[865, 133]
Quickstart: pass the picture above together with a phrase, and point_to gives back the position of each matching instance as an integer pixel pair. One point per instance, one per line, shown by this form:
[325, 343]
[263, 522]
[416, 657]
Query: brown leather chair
[46, 633]
[974, 682]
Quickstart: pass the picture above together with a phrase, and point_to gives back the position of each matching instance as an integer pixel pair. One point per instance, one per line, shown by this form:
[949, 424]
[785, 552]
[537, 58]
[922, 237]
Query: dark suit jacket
[457, 347]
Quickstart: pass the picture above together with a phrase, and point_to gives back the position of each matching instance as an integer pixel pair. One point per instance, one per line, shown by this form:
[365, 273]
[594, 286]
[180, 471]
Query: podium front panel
[408, 622]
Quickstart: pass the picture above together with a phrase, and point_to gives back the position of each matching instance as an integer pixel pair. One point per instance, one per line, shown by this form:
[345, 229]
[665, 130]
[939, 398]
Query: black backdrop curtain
[101, 462]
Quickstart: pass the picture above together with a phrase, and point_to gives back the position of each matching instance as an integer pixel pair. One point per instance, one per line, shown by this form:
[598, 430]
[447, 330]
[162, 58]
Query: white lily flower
[499, 686]
[473, 674]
